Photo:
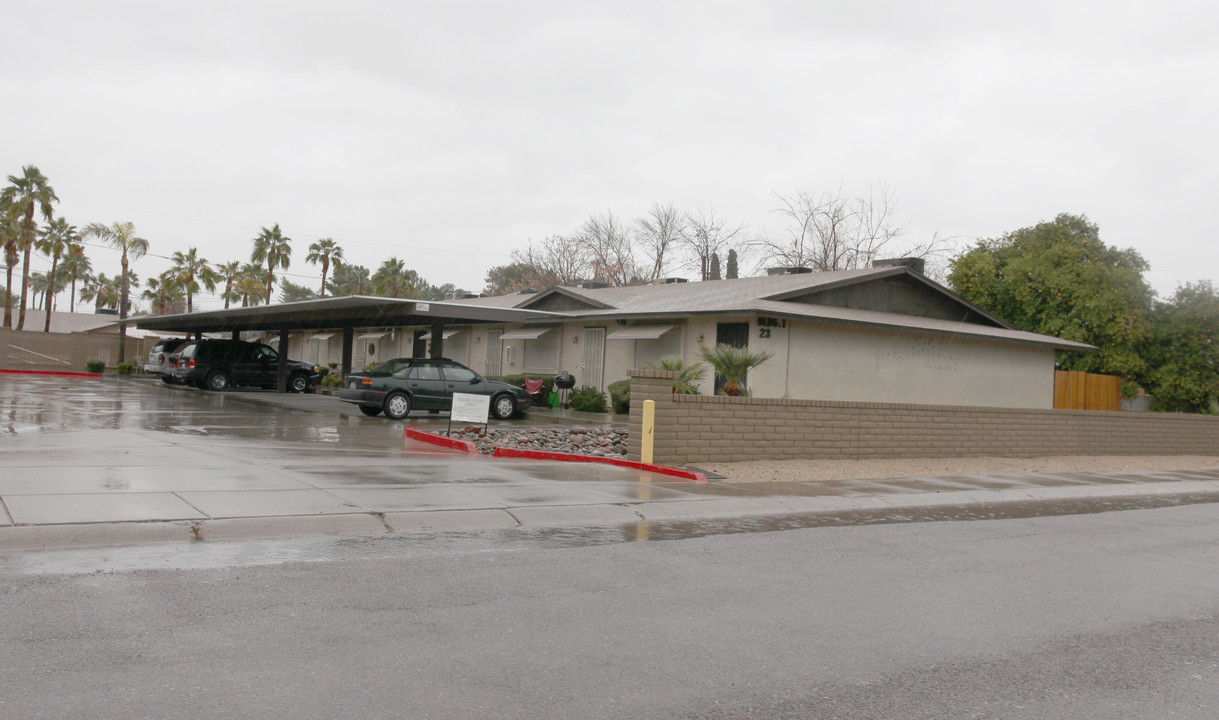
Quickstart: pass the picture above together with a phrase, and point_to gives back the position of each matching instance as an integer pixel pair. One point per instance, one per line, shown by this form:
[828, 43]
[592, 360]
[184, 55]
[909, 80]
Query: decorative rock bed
[598, 442]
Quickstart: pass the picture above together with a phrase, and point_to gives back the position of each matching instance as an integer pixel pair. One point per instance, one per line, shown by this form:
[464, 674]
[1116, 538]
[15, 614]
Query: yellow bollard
[649, 428]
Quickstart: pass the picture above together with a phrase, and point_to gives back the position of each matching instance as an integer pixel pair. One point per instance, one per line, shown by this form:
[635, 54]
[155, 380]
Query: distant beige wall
[29, 350]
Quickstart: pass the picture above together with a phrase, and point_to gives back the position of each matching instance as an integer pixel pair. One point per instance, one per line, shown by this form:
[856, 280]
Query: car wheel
[217, 381]
[503, 406]
[397, 406]
[167, 379]
[298, 383]
[370, 410]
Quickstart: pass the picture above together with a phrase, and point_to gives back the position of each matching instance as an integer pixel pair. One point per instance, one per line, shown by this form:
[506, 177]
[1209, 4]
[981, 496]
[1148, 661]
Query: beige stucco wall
[829, 361]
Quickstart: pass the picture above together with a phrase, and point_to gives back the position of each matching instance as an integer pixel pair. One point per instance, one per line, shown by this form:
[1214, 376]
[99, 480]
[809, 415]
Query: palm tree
[689, 375]
[191, 270]
[76, 264]
[325, 251]
[275, 250]
[249, 285]
[29, 191]
[163, 290]
[104, 292]
[392, 279]
[56, 238]
[732, 363]
[121, 236]
[10, 234]
[229, 272]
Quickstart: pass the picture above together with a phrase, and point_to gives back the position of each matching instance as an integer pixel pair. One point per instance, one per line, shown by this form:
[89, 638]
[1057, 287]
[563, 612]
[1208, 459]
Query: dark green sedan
[396, 387]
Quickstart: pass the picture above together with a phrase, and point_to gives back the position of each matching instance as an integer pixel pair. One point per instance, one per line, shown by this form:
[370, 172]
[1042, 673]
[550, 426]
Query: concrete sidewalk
[116, 463]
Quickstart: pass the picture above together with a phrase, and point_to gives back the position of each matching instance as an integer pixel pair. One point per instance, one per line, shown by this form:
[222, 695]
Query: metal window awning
[322, 336]
[532, 333]
[641, 332]
[373, 336]
[450, 333]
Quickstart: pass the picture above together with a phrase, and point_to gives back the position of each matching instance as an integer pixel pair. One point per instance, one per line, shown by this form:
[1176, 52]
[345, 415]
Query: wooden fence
[1086, 391]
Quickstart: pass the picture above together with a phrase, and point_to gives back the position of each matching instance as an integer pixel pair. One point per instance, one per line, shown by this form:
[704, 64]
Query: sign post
[470, 408]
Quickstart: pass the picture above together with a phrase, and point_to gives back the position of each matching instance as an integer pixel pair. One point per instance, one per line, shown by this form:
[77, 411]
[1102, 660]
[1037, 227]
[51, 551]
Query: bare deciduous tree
[707, 234]
[607, 246]
[657, 234]
[557, 260]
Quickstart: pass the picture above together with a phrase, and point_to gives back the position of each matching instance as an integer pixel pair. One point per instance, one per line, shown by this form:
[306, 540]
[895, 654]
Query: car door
[243, 361]
[459, 378]
[427, 386]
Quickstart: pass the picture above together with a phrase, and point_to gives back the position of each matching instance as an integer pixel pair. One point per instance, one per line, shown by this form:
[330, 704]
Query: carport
[341, 314]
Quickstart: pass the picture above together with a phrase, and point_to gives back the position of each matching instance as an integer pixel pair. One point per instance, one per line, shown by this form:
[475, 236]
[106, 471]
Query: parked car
[217, 364]
[158, 357]
[398, 386]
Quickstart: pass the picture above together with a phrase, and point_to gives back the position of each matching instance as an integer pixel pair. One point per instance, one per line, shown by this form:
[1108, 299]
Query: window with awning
[529, 333]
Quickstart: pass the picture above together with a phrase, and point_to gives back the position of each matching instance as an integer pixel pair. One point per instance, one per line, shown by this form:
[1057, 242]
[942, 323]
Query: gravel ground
[805, 470]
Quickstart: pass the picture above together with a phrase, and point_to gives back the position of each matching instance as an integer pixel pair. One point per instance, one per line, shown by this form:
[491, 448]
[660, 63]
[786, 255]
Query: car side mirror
[475, 380]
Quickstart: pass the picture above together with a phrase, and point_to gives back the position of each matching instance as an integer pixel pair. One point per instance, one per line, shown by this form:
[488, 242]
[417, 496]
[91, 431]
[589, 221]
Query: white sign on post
[470, 408]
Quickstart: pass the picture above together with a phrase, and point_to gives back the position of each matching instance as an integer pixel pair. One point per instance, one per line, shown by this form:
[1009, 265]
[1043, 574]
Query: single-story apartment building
[881, 334]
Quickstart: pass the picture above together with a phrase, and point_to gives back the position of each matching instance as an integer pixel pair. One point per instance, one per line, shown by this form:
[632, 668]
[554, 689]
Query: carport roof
[329, 313]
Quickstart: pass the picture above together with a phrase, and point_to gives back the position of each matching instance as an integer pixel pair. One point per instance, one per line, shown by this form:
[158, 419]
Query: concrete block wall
[35, 350]
[700, 428]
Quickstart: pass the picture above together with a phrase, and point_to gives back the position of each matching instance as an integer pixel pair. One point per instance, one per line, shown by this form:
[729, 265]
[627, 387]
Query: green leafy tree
[1058, 278]
[351, 280]
[28, 192]
[272, 248]
[193, 273]
[1183, 351]
[291, 292]
[732, 265]
[54, 240]
[121, 236]
[732, 363]
[689, 375]
[325, 252]
[76, 265]
[393, 279]
[504, 279]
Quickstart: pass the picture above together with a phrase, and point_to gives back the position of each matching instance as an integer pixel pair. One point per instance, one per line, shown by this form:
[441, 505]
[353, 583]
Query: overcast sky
[448, 134]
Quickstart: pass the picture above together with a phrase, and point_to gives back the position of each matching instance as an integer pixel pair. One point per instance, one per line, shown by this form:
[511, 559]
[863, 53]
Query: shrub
[620, 396]
[125, 368]
[588, 399]
[331, 381]
[689, 375]
[96, 366]
[322, 371]
[732, 363]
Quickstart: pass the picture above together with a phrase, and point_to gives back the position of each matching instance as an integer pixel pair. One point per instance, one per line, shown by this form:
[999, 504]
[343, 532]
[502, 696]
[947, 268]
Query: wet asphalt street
[1081, 605]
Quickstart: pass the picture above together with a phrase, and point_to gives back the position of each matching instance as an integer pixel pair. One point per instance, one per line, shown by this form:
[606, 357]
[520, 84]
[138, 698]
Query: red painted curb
[440, 440]
[55, 373]
[569, 457]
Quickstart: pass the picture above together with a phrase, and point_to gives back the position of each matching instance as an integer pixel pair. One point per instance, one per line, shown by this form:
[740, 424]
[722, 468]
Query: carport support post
[349, 339]
[437, 339]
[281, 375]
[236, 335]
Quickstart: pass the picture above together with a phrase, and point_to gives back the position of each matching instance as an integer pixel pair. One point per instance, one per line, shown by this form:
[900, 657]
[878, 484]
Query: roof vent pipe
[916, 264]
[788, 270]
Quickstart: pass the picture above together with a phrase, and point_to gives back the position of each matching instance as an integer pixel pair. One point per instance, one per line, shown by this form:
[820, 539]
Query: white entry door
[495, 347]
[594, 358]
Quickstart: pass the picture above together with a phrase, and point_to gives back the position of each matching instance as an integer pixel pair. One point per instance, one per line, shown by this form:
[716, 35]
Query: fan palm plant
[732, 363]
[275, 250]
[325, 252]
[121, 236]
[689, 375]
[228, 272]
[191, 273]
[76, 266]
[28, 192]
[55, 240]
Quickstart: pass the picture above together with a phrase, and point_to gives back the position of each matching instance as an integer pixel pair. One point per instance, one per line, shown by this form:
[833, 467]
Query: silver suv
[158, 357]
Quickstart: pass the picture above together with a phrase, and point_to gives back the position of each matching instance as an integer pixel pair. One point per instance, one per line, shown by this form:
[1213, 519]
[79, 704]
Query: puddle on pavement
[218, 555]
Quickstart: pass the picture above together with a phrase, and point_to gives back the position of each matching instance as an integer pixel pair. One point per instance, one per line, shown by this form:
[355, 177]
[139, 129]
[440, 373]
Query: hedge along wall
[699, 428]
